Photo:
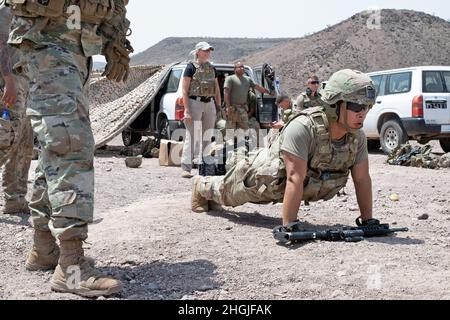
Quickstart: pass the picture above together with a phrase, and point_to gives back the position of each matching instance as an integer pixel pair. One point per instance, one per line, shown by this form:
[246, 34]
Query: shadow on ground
[165, 281]
[16, 220]
[247, 219]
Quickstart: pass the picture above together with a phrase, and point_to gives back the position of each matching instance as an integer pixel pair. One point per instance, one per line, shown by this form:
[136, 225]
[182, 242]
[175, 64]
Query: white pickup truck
[413, 103]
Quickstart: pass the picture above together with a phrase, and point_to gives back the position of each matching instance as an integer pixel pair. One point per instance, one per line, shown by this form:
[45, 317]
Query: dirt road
[145, 234]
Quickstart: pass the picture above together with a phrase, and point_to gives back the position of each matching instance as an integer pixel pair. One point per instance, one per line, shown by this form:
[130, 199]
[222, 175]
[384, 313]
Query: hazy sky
[152, 21]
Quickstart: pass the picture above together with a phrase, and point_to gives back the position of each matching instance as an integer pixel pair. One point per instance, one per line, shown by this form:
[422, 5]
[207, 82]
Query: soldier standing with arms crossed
[56, 44]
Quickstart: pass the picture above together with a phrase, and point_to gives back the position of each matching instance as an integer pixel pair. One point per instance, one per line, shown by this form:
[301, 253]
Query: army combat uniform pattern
[261, 178]
[16, 135]
[56, 59]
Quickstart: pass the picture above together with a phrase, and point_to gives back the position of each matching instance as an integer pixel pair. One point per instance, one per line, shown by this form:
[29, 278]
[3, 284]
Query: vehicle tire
[130, 138]
[392, 135]
[373, 145]
[163, 128]
[445, 144]
[424, 140]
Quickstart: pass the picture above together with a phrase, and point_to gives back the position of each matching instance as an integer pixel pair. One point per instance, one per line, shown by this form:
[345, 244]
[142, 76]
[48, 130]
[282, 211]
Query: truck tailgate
[436, 108]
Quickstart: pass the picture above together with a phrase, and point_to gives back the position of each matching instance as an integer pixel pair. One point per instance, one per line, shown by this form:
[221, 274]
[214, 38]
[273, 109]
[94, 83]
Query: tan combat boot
[74, 274]
[198, 203]
[16, 207]
[44, 254]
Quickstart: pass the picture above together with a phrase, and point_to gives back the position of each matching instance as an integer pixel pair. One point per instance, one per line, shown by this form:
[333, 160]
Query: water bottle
[277, 85]
[6, 115]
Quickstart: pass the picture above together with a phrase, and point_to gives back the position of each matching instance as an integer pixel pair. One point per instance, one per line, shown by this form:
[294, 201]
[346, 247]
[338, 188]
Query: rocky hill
[405, 38]
[226, 49]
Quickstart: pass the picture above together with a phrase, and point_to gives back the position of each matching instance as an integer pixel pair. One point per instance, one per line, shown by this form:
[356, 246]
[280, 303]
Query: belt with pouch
[324, 176]
[201, 99]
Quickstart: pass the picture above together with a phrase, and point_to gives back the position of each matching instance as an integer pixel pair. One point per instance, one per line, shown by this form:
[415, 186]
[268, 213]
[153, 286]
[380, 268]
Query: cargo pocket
[63, 204]
[59, 137]
[243, 117]
[240, 189]
[270, 177]
[6, 134]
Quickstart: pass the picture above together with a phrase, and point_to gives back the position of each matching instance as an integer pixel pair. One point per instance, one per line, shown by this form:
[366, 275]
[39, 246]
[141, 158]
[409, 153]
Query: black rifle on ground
[292, 233]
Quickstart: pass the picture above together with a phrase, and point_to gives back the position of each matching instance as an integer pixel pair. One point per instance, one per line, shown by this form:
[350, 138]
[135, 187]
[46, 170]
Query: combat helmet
[350, 86]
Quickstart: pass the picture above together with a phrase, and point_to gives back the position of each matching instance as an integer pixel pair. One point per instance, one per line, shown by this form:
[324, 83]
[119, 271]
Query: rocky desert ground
[145, 234]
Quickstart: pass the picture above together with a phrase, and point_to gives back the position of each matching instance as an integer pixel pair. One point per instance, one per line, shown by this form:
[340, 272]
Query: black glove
[291, 227]
[366, 223]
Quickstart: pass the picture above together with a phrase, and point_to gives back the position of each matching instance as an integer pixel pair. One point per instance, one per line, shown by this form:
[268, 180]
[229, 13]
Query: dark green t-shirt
[239, 88]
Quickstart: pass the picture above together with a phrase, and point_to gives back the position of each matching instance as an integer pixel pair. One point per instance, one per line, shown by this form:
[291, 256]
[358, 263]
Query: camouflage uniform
[287, 115]
[238, 117]
[251, 180]
[56, 58]
[57, 65]
[305, 101]
[261, 177]
[17, 135]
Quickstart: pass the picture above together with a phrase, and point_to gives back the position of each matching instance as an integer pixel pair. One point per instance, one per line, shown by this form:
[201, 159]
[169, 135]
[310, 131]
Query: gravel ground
[145, 234]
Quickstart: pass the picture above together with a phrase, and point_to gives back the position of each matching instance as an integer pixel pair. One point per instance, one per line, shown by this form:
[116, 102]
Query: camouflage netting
[114, 106]
[420, 157]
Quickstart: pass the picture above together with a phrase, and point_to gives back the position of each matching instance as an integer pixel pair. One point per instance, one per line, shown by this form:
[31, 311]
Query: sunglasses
[356, 107]
[315, 82]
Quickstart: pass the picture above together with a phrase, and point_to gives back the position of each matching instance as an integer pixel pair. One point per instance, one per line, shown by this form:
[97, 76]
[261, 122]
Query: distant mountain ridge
[226, 49]
[406, 38]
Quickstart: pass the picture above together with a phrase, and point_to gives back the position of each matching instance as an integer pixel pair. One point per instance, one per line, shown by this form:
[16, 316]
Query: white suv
[165, 113]
[412, 103]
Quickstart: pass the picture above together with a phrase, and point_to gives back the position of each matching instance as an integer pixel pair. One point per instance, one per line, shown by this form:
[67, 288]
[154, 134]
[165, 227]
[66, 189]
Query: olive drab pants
[63, 194]
[15, 158]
